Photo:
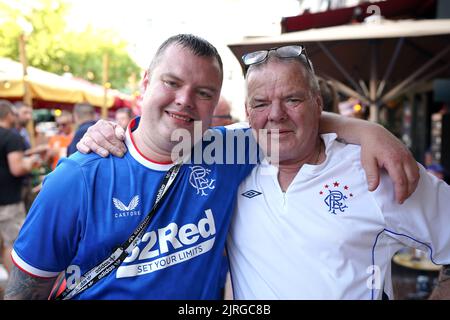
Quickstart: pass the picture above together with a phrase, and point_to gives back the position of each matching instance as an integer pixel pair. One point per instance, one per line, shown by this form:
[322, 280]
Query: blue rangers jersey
[90, 205]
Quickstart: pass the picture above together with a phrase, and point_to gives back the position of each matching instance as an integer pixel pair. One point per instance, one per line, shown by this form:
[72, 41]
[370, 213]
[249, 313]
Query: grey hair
[311, 77]
[84, 111]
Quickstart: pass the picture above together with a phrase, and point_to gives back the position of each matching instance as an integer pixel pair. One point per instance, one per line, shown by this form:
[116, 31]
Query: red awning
[391, 9]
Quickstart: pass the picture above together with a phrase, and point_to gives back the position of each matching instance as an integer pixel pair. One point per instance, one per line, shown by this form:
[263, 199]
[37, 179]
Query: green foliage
[51, 47]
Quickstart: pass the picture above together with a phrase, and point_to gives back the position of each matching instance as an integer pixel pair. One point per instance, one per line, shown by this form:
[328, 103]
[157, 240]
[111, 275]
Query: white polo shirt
[327, 237]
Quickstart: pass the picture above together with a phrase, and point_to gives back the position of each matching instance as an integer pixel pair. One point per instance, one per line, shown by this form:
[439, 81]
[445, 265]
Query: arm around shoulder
[103, 138]
[379, 149]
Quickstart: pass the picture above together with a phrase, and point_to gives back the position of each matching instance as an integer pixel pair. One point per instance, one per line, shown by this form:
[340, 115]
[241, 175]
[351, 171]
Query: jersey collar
[137, 154]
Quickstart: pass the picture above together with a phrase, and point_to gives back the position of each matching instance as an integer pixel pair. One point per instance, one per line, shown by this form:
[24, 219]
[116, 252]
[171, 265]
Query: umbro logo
[251, 194]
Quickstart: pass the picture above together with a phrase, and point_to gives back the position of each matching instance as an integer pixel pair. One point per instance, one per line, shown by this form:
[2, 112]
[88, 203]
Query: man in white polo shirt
[306, 227]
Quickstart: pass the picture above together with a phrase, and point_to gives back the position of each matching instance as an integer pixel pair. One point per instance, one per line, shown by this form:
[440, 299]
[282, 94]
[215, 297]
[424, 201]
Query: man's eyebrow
[174, 77]
[212, 89]
[295, 93]
[258, 99]
[171, 75]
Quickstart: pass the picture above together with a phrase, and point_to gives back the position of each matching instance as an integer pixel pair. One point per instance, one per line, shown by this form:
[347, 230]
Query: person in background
[59, 142]
[353, 108]
[428, 158]
[24, 115]
[436, 170]
[329, 94]
[123, 117]
[84, 116]
[222, 114]
[14, 165]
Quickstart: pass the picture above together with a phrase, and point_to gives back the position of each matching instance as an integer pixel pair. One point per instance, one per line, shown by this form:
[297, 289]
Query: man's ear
[246, 108]
[319, 102]
[246, 113]
[145, 80]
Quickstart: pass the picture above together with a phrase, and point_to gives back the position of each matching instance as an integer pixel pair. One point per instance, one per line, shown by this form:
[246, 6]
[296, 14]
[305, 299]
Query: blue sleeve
[48, 239]
[240, 150]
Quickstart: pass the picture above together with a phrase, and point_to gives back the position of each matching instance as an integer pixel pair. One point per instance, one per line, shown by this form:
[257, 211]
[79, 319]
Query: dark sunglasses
[281, 52]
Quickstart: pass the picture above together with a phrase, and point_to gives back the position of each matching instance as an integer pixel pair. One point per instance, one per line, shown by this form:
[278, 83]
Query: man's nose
[185, 98]
[277, 112]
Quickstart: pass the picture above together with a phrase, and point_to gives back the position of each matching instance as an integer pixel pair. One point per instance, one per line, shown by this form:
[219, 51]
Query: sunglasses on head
[291, 51]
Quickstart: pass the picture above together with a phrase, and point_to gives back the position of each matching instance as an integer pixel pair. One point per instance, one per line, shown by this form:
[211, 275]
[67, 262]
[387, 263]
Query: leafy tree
[52, 48]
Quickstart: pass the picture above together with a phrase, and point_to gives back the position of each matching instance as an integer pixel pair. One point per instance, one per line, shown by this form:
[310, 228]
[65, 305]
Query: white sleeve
[423, 220]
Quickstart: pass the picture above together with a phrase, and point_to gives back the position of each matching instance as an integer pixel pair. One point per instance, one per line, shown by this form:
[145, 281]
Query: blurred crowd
[23, 166]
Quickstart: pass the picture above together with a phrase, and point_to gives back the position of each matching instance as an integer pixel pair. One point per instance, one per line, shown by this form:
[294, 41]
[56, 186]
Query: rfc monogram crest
[336, 197]
[199, 180]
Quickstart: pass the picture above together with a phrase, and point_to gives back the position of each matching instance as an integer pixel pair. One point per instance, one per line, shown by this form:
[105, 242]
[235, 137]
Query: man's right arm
[50, 236]
[22, 286]
[19, 165]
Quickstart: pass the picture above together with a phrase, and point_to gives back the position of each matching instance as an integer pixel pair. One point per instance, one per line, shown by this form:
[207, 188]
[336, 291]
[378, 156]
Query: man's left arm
[379, 149]
[421, 222]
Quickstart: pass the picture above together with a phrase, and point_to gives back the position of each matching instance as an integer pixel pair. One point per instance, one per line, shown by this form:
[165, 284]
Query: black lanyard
[104, 268]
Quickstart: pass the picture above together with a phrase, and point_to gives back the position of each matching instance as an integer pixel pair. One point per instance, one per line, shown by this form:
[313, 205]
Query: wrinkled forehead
[279, 73]
[294, 64]
[276, 71]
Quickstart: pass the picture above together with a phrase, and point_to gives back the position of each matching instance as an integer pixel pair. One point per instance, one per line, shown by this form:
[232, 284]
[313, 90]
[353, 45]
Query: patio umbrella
[49, 87]
[374, 62]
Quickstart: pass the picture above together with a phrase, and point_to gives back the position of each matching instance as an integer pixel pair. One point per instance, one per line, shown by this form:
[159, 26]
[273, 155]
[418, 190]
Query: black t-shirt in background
[10, 186]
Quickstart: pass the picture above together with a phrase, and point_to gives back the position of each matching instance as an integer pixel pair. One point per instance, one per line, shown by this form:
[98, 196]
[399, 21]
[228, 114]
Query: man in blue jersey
[90, 205]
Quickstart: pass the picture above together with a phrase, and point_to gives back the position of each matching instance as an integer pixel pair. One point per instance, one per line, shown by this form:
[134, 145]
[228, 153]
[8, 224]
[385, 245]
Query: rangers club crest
[335, 197]
[198, 179]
